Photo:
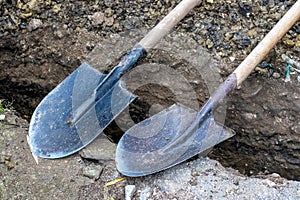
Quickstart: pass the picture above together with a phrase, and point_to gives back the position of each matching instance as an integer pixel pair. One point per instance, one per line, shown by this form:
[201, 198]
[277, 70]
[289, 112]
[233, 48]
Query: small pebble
[249, 116]
[93, 172]
[232, 58]
[56, 8]
[276, 75]
[109, 21]
[2, 117]
[209, 43]
[12, 120]
[275, 175]
[59, 34]
[269, 183]
[98, 18]
[129, 191]
[34, 24]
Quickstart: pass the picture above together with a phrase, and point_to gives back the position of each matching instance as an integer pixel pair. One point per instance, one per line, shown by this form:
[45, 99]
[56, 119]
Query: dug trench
[264, 111]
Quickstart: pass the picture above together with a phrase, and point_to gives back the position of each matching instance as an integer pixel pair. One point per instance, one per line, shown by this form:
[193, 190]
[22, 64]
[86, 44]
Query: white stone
[2, 117]
[129, 191]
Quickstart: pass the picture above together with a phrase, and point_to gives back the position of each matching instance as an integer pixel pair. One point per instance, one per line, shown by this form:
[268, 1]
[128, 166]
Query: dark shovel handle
[140, 50]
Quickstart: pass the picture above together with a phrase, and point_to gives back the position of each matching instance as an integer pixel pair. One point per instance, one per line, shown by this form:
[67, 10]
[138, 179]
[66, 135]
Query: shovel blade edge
[50, 135]
[138, 154]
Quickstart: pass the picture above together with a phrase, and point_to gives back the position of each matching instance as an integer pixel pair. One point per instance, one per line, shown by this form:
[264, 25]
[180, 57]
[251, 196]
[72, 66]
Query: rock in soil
[101, 149]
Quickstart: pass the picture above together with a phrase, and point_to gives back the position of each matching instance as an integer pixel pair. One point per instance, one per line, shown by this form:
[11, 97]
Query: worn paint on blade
[127, 63]
[217, 97]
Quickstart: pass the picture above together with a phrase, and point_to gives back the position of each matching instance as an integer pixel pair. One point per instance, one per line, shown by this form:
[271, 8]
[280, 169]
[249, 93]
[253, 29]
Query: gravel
[204, 178]
[227, 28]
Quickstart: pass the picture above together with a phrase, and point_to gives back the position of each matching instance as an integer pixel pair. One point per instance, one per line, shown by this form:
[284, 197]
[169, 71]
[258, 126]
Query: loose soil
[264, 112]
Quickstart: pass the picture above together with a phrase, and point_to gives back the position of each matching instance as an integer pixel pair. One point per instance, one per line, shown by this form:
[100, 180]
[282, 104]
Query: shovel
[179, 133]
[76, 111]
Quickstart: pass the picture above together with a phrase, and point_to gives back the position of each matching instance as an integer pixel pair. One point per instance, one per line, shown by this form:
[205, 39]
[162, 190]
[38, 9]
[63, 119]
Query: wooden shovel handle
[269, 41]
[168, 22]
[255, 57]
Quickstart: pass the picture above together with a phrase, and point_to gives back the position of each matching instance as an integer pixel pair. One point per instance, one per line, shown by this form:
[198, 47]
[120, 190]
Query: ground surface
[44, 41]
[76, 178]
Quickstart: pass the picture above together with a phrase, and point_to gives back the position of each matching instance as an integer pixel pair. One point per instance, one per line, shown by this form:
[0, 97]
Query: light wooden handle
[269, 41]
[168, 22]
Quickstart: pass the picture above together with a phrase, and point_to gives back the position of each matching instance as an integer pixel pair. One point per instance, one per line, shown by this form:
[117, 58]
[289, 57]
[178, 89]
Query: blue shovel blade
[160, 142]
[51, 135]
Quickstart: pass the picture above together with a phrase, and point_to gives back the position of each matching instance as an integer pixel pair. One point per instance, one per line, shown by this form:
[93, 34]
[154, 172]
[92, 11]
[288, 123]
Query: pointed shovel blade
[160, 142]
[50, 133]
